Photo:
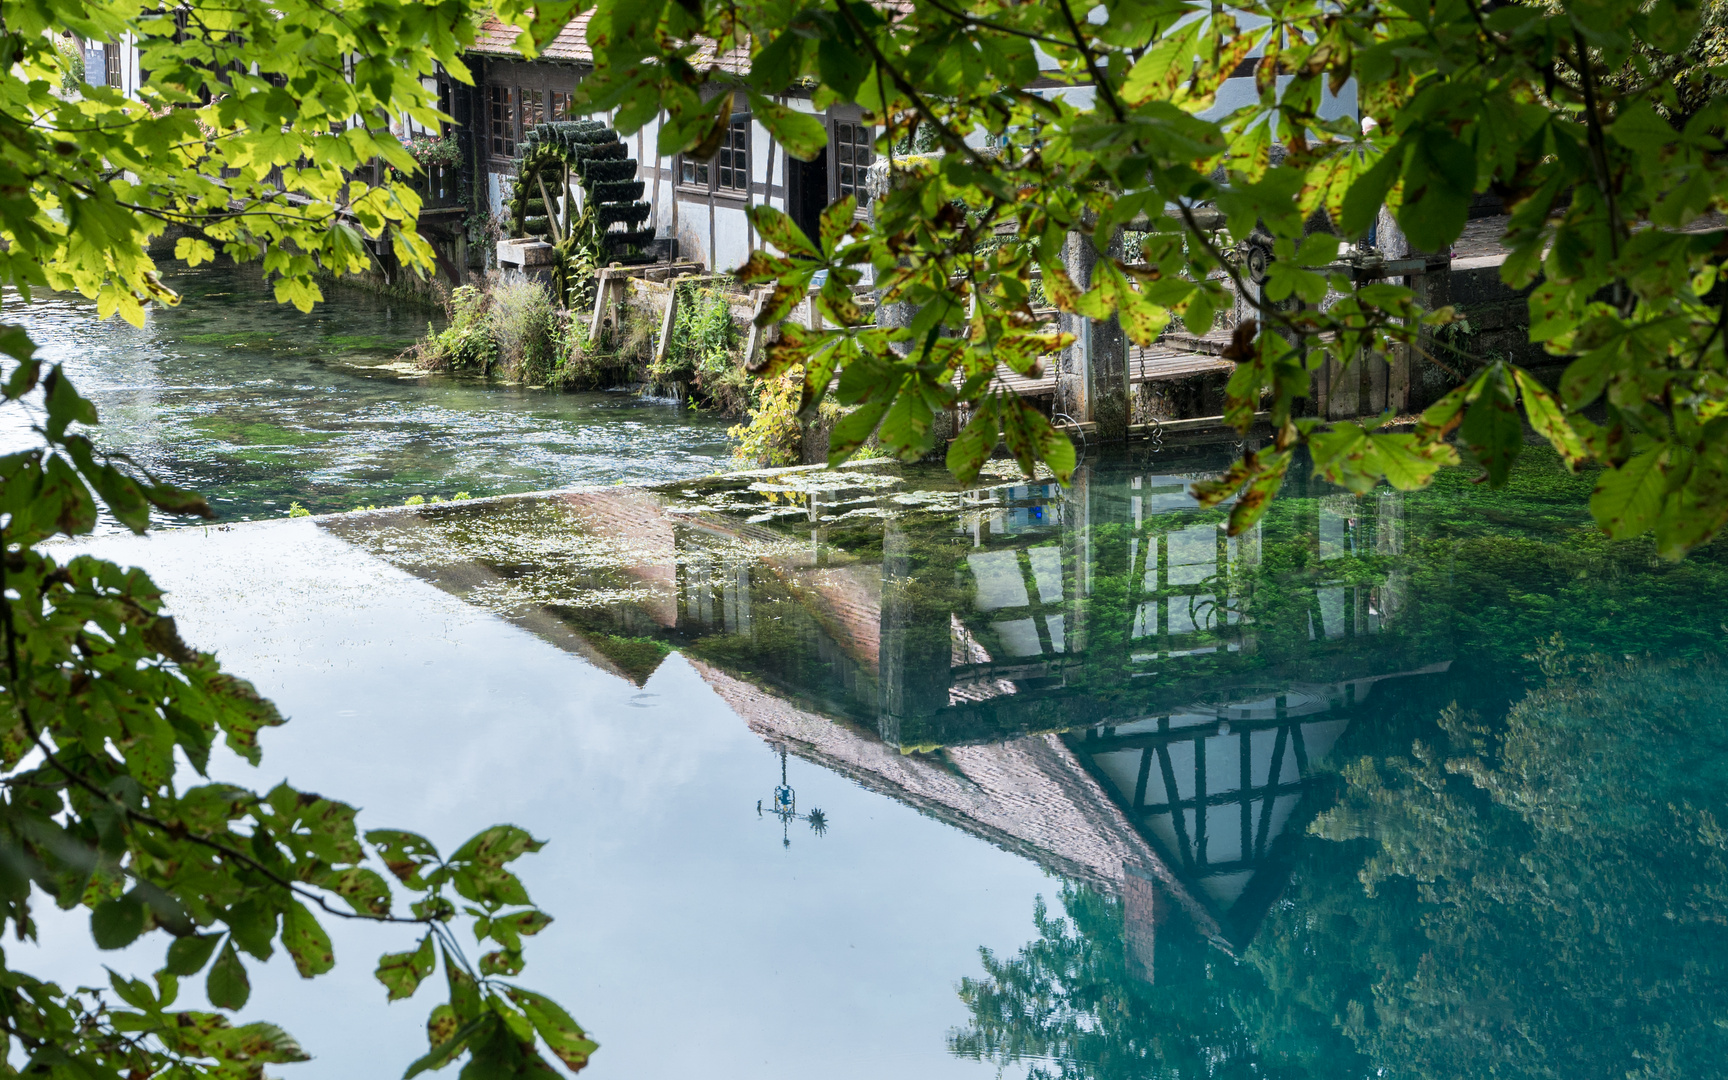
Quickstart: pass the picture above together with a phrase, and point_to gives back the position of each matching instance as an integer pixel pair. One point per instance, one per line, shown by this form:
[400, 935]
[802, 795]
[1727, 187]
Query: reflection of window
[503, 120]
[533, 108]
[558, 106]
[852, 156]
[1193, 554]
[734, 160]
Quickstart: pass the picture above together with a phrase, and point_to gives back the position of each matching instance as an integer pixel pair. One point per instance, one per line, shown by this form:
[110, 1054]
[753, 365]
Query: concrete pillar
[1433, 289]
[1162, 945]
[916, 649]
[1099, 355]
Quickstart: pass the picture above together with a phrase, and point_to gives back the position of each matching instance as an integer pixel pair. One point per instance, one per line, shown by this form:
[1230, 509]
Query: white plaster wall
[731, 242]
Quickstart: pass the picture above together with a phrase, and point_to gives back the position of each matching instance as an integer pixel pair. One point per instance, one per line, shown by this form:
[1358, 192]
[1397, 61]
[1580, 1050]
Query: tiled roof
[571, 46]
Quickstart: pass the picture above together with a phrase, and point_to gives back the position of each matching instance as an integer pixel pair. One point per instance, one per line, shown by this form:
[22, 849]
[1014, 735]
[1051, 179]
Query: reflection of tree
[1544, 896]
[1069, 1005]
[1571, 876]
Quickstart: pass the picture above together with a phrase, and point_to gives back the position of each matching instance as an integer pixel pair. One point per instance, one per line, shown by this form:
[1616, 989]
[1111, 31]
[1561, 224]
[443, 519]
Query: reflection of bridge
[1098, 678]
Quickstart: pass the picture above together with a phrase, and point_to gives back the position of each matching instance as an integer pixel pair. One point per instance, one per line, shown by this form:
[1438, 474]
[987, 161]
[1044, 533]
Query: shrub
[774, 435]
[703, 338]
[466, 345]
[529, 329]
[503, 326]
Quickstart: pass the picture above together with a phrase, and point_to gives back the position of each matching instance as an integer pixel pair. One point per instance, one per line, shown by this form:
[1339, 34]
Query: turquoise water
[257, 406]
[1426, 785]
[864, 774]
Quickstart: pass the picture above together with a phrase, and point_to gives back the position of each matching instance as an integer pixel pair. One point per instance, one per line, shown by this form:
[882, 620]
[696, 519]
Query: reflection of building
[1098, 678]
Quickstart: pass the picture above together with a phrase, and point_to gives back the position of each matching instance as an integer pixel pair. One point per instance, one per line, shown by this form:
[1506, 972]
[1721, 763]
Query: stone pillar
[1162, 944]
[1099, 355]
[1433, 289]
[916, 647]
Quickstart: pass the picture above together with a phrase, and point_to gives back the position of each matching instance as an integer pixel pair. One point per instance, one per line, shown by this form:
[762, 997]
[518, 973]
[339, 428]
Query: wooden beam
[665, 342]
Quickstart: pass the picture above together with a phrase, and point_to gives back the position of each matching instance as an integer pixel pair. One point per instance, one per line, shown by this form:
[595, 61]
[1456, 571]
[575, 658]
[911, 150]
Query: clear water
[860, 774]
[256, 405]
[1415, 785]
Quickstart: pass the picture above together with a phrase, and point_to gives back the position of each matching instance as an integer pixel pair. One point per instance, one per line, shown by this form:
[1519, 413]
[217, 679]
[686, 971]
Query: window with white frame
[853, 155]
[728, 171]
[734, 159]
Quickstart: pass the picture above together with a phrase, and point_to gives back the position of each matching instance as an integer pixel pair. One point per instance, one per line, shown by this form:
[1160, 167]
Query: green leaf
[1368, 193]
[1031, 439]
[227, 986]
[1627, 500]
[782, 232]
[566, 1038]
[1546, 417]
[15, 342]
[188, 955]
[65, 405]
[401, 973]
[1257, 495]
[838, 221]
[253, 925]
[496, 846]
[116, 923]
[853, 429]
[801, 134]
[464, 993]
[1405, 460]
[133, 992]
[444, 1053]
[306, 941]
[405, 854]
[440, 1025]
[1586, 377]
[501, 962]
[1491, 427]
[976, 442]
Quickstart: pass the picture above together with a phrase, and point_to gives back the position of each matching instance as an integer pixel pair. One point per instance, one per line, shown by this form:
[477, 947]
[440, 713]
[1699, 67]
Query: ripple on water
[258, 405]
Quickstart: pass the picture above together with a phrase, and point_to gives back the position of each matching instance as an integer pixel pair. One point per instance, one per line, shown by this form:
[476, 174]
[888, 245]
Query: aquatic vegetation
[508, 327]
[530, 329]
[242, 432]
[703, 346]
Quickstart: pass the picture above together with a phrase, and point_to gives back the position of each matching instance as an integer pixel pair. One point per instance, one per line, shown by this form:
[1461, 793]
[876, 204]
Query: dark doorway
[807, 192]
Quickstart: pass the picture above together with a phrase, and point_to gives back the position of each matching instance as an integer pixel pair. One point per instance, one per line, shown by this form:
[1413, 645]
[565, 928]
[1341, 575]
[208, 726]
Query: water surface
[863, 774]
[1409, 785]
[256, 406]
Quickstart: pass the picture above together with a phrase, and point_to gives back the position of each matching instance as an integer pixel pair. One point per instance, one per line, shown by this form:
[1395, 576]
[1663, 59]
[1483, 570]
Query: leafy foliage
[1539, 893]
[1608, 193]
[100, 696]
[246, 138]
[501, 326]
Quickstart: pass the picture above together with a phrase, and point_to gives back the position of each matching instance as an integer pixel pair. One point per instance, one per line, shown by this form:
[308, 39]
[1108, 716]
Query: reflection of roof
[1031, 795]
[635, 517]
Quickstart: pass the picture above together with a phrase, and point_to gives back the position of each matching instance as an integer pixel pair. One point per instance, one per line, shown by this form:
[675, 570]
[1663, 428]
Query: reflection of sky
[687, 939]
